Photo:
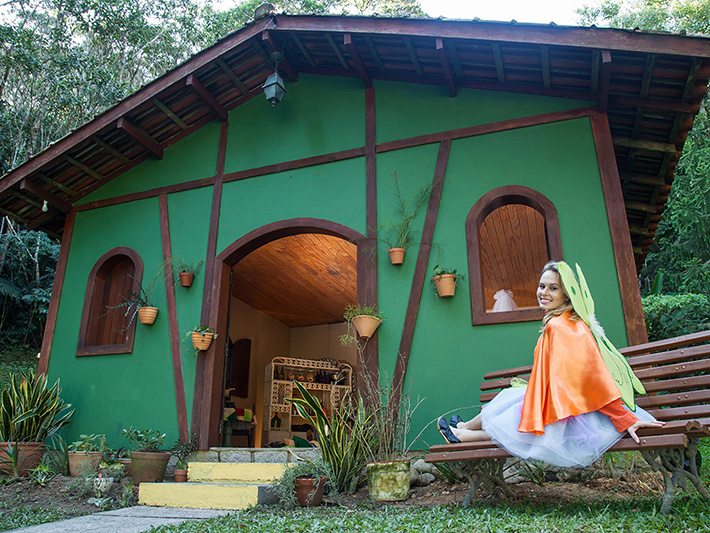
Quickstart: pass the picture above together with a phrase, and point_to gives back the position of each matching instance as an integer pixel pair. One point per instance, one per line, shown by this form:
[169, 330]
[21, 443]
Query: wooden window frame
[489, 202]
[108, 349]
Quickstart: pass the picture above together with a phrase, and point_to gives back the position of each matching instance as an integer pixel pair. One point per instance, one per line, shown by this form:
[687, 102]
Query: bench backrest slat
[666, 344]
[681, 413]
[675, 369]
[674, 356]
[673, 399]
[678, 384]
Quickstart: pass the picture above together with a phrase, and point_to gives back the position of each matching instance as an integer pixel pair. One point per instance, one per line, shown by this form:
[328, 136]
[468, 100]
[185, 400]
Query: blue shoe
[455, 420]
[446, 432]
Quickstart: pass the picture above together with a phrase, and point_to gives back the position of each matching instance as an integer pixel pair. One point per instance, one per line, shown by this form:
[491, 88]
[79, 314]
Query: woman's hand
[643, 424]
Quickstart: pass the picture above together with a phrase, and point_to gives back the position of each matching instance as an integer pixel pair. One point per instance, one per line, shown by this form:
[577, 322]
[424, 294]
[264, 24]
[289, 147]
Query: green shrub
[671, 315]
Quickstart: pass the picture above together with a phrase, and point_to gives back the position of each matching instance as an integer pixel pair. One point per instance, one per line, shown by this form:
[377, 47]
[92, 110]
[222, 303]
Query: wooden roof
[650, 84]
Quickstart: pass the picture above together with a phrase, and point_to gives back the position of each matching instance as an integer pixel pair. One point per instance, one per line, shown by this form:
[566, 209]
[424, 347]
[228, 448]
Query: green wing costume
[578, 292]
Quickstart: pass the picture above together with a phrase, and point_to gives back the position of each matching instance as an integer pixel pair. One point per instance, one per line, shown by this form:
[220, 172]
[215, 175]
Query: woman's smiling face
[549, 291]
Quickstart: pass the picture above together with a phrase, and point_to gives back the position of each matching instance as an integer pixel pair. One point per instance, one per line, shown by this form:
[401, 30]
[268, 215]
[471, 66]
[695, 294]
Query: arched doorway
[294, 232]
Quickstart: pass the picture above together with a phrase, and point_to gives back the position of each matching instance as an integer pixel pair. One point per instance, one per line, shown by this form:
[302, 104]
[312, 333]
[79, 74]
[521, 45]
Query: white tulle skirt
[574, 441]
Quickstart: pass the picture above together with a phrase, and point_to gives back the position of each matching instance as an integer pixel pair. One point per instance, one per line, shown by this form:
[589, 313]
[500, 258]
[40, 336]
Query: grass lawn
[15, 359]
[690, 514]
[16, 516]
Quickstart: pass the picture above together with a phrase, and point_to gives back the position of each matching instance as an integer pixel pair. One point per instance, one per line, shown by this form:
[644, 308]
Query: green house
[536, 142]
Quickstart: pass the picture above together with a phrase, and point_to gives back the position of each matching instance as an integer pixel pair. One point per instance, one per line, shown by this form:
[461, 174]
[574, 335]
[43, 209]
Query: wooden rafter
[302, 48]
[203, 94]
[141, 137]
[351, 47]
[54, 183]
[641, 144]
[87, 169]
[413, 56]
[603, 85]
[268, 38]
[168, 113]
[545, 63]
[42, 194]
[110, 149]
[454, 58]
[337, 51]
[373, 52]
[448, 76]
[498, 62]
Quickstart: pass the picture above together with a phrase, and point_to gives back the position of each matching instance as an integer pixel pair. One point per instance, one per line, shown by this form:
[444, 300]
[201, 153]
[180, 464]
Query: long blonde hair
[567, 306]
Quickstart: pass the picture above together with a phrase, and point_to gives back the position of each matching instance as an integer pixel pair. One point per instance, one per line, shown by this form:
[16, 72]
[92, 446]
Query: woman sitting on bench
[571, 410]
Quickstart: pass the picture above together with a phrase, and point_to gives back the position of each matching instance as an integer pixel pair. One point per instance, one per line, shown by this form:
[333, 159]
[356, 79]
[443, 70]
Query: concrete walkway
[128, 520]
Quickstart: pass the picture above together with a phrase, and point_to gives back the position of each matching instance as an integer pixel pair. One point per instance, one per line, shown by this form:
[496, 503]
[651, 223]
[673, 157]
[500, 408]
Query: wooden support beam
[285, 64]
[166, 110]
[545, 62]
[67, 190]
[594, 78]
[648, 146]
[650, 103]
[413, 56]
[690, 81]
[203, 94]
[644, 179]
[139, 136]
[638, 230]
[499, 62]
[27, 199]
[302, 48]
[337, 52]
[233, 76]
[373, 52]
[443, 59]
[454, 58]
[604, 75]
[638, 206]
[14, 215]
[110, 149]
[357, 60]
[85, 168]
[45, 195]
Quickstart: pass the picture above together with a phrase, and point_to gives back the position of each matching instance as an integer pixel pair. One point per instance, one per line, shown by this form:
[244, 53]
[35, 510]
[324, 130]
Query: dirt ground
[61, 493]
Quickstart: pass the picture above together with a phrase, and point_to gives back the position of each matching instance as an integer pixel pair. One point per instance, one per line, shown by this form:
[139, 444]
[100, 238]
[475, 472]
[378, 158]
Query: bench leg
[487, 473]
[671, 463]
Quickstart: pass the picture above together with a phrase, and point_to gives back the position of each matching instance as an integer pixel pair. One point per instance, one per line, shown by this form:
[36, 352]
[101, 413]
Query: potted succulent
[181, 451]
[184, 271]
[303, 484]
[364, 318]
[397, 233]
[201, 337]
[445, 281]
[30, 413]
[86, 453]
[148, 462]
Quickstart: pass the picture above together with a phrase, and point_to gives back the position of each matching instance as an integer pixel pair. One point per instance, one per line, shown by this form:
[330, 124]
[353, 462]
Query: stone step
[235, 472]
[206, 495]
[255, 455]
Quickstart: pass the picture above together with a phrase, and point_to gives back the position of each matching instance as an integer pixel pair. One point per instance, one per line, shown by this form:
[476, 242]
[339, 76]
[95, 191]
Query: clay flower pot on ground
[182, 450]
[303, 484]
[396, 255]
[445, 281]
[309, 491]
[82, 461]
[18, 458]
[147, 315]
[148, 462]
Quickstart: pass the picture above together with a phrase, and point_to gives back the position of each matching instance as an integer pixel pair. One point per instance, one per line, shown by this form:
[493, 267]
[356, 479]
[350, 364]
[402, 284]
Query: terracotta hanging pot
[445, 285]
[396, 255]
[309, 491]
[200, 341]
[186, 279]
[147, 315]
[366, 325]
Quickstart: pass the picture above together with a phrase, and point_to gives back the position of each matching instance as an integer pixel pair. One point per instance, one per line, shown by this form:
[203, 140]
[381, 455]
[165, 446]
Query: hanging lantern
[274, 89]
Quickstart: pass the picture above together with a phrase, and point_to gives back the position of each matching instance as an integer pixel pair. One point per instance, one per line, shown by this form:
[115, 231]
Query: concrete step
[235, 472]
[206, 495]
[255, 455]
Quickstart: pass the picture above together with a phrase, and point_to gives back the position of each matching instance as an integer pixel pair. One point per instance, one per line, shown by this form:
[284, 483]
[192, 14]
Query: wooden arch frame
[95, 288]
[489, 202]
[206, 416]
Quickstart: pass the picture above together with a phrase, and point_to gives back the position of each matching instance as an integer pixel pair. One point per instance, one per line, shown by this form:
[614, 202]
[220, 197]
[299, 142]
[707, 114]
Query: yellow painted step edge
[187, 495]
[242, 472]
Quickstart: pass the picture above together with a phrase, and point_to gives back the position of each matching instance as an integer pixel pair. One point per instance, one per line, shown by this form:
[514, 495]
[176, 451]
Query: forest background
[62, 62]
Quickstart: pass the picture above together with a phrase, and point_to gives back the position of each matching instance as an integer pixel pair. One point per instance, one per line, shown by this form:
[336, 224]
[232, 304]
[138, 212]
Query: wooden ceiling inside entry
[301, 280]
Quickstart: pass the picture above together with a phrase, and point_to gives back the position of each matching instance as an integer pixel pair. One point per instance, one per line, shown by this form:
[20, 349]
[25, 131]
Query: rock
[263, 10]
[421, 466]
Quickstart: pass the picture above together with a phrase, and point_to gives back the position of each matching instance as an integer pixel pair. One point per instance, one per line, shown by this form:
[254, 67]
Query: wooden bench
[676, 376]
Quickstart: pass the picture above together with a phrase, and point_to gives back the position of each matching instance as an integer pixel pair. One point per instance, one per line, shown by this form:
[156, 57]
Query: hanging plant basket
[186, 279]
[445, 285]
[147, 315]
[366, 325]
[396, 255]
[201, 341]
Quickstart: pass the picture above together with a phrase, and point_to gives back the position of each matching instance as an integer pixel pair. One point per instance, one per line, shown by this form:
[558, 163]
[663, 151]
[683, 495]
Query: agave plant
[30, 411]
[340, 438]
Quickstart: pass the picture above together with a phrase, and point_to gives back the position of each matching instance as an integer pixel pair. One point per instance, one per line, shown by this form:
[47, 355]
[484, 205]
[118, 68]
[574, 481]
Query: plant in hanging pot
[139, 303]
[364, 319]
[397, 233]
[30, 413]
[201, 336]
[303, 484]
[181, 451]
[86, 453]
[148, 462]
[183, 271]
[445, 281]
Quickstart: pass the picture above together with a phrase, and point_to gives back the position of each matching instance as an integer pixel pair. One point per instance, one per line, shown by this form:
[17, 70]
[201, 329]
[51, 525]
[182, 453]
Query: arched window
[104, 330]
[511, 232]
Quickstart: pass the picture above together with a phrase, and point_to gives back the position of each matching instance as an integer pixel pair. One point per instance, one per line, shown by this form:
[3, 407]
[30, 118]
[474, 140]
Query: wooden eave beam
[454, 58]
[14, 215]
[285, 64]
[110, 149]
[638, 230]
[443, 59]
[203, 94]
[649, 146]
[140, 137]
[39, 192]
[373, 51]
[638, 206]
[149, 91]
[85, 168]
[56, 184]
[303, 49]
[337, 51]
[604, 75]
[168, 112]
[619, 100]
[542, 34]
[644, 179]
[26, 199]
[499, 62]
[413, 56]
[545, 63]
[351, 47]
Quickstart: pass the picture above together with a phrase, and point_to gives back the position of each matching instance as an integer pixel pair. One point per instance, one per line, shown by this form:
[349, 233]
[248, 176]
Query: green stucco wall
[320, 115]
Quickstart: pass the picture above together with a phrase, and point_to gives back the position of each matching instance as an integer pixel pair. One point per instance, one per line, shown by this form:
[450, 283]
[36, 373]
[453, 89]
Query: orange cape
[568, 377]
